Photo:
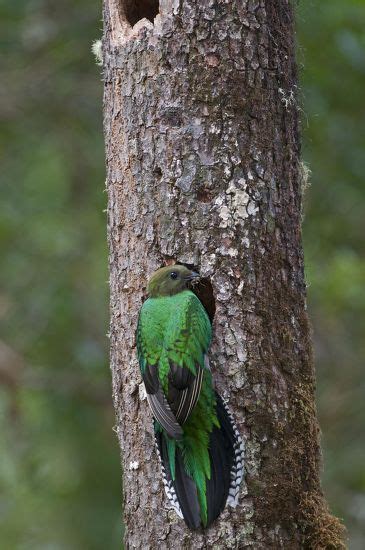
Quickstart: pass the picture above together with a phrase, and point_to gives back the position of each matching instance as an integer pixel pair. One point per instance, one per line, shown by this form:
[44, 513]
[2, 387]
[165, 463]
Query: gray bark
[202, 150]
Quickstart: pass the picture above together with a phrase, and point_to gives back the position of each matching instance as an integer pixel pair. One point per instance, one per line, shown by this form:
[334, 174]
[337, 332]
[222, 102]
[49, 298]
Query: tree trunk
[203, 168]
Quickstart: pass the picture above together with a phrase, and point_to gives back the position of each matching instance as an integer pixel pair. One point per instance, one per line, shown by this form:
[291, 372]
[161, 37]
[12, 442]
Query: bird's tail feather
[226, 460]
[181, 491]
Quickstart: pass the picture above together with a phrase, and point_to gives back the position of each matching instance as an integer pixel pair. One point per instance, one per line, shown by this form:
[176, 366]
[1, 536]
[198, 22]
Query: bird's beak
[193, 276]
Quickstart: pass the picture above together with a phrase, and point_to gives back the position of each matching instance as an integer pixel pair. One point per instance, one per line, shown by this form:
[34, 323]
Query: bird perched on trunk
[199, 446]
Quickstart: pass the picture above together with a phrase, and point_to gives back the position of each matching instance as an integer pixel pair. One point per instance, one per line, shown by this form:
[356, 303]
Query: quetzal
[199, 446]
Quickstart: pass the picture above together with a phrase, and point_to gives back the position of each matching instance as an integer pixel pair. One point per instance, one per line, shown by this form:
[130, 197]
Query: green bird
[200, 449]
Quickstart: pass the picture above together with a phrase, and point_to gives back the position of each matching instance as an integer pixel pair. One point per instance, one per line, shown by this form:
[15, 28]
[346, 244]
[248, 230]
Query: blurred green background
[59, 461]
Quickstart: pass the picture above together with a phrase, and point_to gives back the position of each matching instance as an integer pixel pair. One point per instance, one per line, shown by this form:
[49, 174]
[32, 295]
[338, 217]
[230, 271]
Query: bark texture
[203, 168]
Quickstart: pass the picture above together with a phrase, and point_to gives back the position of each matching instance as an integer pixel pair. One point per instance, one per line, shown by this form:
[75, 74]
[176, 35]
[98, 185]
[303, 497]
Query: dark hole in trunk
[134, 10]
[204, 291]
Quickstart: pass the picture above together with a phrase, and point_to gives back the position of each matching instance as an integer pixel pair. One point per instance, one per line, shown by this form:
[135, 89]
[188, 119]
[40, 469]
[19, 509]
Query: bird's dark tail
[226, 472]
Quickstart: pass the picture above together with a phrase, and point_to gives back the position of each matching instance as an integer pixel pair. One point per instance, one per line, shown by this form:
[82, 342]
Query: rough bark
[202, 149]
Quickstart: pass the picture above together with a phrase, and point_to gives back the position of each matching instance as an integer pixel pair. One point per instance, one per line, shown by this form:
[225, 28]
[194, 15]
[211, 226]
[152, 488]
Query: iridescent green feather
[176, 329]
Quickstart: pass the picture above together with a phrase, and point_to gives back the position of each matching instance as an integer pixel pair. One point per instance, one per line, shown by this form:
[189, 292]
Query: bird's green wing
[149, 347]
[173, 361]
[186, 343]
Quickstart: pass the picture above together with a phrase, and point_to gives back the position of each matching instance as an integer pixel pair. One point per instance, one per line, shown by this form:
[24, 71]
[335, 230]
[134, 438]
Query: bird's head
[170, 280]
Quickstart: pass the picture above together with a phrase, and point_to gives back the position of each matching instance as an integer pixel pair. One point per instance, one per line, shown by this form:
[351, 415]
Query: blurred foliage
[59, 461]
[332, 51]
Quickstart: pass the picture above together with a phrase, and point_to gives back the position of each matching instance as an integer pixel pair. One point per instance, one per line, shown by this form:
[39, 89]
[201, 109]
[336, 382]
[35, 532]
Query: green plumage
[197, 441]
[175, 330]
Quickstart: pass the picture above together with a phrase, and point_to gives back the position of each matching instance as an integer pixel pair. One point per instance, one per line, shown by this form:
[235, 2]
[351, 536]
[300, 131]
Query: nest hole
[203, 289]
[135, 10]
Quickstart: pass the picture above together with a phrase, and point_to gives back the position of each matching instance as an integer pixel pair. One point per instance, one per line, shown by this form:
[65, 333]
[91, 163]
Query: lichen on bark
[203, 167]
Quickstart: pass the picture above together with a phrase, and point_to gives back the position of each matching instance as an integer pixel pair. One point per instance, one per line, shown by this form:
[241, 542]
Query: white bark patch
[207, 264]
[224, 251]
[225, 215]
[134, 465]
[237, 206]
[150, 233]
[240, 288]
[142, 392]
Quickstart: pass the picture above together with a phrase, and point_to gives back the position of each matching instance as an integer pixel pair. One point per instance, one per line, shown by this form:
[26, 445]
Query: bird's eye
[173, 275]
